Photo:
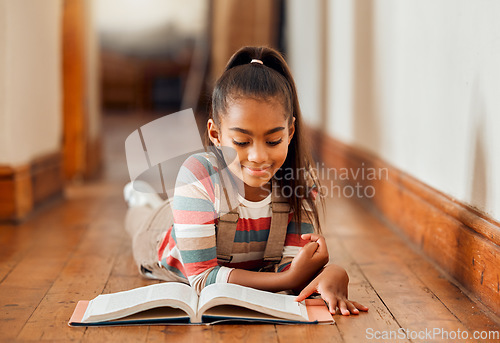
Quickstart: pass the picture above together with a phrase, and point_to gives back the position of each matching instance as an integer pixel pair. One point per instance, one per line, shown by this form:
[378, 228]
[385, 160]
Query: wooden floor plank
[124, 276]
[378, 318]
[413, 303]
[354, 328]
[309, 333]
[244, 333]
[30, 279]
[14, 245]
[83, 277]
[18, 240]
[180, 334]
[470, 313]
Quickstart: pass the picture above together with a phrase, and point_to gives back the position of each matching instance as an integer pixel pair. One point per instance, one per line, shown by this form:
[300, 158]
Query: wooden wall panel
[25, 187]
[82, 156]
[74, 95]
[16, 196]
[46, 177]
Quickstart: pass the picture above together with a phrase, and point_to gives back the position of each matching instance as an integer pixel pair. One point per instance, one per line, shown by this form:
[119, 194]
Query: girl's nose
[257, 153]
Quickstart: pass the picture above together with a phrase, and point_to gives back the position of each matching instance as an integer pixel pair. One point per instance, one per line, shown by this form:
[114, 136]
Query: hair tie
[256, 61]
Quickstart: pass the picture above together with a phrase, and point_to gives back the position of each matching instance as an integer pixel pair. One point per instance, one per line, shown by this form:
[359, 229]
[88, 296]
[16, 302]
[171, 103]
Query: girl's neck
[257, 193]
[251, 193]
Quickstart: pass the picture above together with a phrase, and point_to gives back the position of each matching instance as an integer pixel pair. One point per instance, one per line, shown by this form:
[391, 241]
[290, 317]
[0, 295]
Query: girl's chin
[252, 180]
[255, 182]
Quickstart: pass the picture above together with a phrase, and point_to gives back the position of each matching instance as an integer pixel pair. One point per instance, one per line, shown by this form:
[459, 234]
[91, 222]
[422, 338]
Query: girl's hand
[331, 284]
[320, 257]
[311, 258]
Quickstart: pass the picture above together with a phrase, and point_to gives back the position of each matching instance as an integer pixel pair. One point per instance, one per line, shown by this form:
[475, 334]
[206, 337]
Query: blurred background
[414, 82]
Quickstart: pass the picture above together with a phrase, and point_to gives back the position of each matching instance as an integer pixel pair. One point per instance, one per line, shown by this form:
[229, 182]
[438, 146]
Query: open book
[177, 303]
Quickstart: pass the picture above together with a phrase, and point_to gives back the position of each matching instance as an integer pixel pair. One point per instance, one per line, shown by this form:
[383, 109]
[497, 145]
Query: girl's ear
[213, 132]
[291, 131]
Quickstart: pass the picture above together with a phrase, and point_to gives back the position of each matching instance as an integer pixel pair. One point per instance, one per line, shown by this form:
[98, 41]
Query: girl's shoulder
[200, 170]
[202, 162]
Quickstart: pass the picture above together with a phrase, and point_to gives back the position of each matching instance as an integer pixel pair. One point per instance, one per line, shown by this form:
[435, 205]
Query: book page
[233, 314]
[116, 305]
[275, 304]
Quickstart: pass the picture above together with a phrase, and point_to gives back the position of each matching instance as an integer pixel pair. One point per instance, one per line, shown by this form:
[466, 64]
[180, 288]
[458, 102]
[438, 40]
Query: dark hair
[268, 81]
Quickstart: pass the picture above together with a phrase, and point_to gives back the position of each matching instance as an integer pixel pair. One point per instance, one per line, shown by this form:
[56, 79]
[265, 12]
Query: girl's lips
[257, 171]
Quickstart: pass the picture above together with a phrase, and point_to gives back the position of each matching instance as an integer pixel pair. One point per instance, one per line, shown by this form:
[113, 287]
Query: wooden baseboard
[461, 240]
[25, 187]
[16, 192]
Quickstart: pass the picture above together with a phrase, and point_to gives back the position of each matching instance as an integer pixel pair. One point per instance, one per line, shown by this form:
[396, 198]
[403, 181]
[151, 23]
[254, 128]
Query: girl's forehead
[254, 112]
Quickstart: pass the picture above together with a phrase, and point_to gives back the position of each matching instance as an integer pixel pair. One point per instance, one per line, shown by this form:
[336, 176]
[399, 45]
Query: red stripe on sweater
[193, 217]
[286, 268]
[294, 240]
[196, 268]
[164, 243]
[253, 224]
[173, 262]
[201, 173]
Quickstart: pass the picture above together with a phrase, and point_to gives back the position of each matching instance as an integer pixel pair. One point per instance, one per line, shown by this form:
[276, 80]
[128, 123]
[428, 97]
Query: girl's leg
[147, 228]
[135, 219]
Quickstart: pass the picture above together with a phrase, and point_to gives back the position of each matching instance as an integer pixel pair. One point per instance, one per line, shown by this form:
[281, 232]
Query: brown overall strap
[279, 224]
[228, 222]
[226, 228]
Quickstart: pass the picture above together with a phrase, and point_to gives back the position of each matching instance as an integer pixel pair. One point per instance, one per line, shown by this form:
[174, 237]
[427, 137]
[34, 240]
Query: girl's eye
[275, 142]
[240, 143]
[270, 143]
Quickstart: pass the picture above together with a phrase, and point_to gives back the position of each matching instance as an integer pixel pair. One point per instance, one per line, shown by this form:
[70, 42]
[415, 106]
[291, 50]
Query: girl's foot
[146, 196]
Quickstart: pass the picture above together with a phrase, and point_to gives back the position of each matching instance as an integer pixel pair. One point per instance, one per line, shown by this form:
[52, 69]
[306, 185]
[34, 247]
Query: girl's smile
[257, 171]
[258, 130]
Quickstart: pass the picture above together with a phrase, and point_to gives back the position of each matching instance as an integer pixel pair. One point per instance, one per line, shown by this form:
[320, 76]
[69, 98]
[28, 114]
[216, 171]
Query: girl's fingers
[351, 307]
[359, 306]
[315, 238]
[311, 236]
[343, 308]
[331, 299]
[346, 307]
[332, 304]
[307, 291]
[310, 248]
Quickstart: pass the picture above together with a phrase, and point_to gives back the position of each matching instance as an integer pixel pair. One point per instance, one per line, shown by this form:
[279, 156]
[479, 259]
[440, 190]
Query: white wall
[30, 79]
[418, 83]
[93, 71]
[304, 56]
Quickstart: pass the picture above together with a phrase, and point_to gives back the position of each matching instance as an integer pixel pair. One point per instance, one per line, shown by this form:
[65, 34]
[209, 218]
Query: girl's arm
[310, 259]
[272, 282]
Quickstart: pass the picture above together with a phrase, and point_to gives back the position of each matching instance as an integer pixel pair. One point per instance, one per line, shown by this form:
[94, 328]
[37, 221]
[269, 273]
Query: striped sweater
[189, 245]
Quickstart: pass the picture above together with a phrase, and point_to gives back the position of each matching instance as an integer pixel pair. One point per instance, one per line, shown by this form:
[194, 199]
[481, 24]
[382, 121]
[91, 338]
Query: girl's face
[259, 132]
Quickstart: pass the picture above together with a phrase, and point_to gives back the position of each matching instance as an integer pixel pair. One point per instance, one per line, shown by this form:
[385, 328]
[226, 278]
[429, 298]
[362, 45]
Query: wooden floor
[76, 249]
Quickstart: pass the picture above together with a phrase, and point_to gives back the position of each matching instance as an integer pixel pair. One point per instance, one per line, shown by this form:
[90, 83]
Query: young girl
[250, 218]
